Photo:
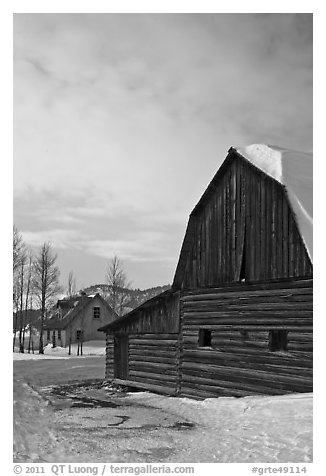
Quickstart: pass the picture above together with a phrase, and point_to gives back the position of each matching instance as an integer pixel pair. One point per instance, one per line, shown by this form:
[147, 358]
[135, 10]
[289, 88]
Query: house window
[278, 340]
[79, 335]
[96, 312]
[205, 338]
[59, 334]
[48, 335]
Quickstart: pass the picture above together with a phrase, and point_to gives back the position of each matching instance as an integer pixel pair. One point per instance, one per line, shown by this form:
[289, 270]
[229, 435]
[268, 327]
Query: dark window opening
[243, 261]
[278, 340]
[79, 335]
[59, 334]
[48, 335]
[205, 338]
[96, 312]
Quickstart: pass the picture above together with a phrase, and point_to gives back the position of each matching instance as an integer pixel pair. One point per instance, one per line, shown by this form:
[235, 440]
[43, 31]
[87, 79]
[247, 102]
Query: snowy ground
[64, 413]
[89, 348]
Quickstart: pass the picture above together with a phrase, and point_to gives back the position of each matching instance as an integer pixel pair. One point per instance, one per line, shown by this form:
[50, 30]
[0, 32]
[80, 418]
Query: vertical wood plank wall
[247, 210]
[240, 318]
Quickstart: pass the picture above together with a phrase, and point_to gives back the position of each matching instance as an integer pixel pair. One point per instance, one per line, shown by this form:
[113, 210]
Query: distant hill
[134, 297]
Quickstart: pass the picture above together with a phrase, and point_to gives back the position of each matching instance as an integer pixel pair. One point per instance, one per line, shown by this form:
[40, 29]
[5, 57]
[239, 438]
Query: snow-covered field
[90, 348]
[63, 413]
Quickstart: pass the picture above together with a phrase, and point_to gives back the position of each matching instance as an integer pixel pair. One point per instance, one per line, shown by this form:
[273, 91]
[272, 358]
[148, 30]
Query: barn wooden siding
[240, 318]
[246, 213]
[153, 360]
[153, 347]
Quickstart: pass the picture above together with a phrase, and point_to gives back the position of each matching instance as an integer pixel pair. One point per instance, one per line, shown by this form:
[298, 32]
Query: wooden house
[238, 318]
[77, 319]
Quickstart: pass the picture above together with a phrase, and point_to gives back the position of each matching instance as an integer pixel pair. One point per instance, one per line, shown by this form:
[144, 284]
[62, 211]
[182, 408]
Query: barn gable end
[243, 228]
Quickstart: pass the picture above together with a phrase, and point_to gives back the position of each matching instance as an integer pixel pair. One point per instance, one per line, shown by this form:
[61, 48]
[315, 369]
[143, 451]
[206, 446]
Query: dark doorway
[121, 355]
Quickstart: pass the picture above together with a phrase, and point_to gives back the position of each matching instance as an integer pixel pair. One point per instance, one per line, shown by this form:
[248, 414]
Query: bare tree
[117, 296]
[71, 288]
[18, 248]
[28, 290]
[16, 308]
[21, 285]
[46, 282]
[19, 257]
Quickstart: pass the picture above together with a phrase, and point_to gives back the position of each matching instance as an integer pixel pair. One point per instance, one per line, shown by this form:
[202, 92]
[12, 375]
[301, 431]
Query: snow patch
[267, 159]
[292, 169]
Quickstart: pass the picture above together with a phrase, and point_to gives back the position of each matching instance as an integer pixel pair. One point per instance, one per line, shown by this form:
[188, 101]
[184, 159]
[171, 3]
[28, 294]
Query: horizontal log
[140, 350]
[204, 391]
[154, 336]
[150, 358]
[151, 375]
[300, 337]
[290, 359]
[238, 327]
[147, 386]
[265, 371]
[249, 383]
[241, 307]
[292, 285]
[265, 367]
[156, 341]
[249, 299]
[229, 373]
[152, 353]
[219, 389]
[151, 367]
[253, 322]
[305, 346]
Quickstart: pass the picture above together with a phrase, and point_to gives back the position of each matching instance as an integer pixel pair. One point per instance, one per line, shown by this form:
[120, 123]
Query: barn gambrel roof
[294, 170]
[291, 169]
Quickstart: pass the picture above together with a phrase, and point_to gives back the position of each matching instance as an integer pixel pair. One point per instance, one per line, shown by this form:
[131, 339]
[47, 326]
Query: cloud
[121, 120]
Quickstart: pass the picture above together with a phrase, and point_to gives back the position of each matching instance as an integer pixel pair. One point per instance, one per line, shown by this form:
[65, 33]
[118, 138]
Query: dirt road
[62, 412]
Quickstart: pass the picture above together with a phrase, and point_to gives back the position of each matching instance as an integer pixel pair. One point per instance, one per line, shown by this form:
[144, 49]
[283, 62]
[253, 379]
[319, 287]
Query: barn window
[205, 338]
[48, 335]
[278, 340]
[96, 312]
[59, 334]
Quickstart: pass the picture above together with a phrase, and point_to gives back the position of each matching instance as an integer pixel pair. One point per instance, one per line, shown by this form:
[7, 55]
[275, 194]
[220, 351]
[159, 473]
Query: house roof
[292, 169]
[123, 319]
[71, 309]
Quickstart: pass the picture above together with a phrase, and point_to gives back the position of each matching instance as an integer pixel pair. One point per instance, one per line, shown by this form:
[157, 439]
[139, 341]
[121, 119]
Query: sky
[121, 121]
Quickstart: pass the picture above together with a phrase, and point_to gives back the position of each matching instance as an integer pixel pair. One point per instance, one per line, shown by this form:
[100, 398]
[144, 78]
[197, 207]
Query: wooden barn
[238, 318]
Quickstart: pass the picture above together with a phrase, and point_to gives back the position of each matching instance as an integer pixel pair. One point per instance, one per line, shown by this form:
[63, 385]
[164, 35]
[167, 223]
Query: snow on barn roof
[293, 169]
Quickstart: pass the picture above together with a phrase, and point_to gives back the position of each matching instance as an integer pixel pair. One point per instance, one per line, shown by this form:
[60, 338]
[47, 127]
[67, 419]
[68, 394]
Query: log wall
[240, 318]
[109, 359]
[153, 360]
